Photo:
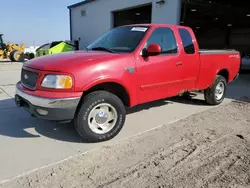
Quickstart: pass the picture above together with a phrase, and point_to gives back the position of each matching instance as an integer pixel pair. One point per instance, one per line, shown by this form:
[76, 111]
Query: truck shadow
[168, 101]
[148, 106]
[17, 123]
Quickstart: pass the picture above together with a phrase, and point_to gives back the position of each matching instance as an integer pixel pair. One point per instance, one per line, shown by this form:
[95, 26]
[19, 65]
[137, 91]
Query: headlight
[57, 81]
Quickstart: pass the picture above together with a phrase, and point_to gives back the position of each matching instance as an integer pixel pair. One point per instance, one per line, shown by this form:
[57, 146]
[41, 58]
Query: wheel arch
[112, 86]
[224, 73]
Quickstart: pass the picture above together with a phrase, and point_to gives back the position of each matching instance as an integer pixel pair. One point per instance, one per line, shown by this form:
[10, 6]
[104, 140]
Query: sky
[34, 22]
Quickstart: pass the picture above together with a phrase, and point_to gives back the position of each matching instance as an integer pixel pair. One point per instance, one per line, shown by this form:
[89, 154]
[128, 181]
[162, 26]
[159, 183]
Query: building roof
[80, 3]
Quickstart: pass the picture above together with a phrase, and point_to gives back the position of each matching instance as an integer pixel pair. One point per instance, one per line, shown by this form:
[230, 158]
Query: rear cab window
[165, 37]
[187, 41]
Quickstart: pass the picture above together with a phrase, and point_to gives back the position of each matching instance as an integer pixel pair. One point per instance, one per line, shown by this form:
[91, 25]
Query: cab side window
[165, 38]
[187, 41]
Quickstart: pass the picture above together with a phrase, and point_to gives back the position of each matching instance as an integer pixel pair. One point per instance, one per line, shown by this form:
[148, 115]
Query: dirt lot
[209, 149]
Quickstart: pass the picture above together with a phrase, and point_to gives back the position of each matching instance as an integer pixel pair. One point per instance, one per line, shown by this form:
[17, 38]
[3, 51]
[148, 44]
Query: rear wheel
[26, 55]
[31, 56]
[216, 94]
[100, 117]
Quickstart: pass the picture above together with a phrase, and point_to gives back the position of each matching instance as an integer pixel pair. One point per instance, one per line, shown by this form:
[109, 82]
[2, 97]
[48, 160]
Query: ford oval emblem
[26, 76]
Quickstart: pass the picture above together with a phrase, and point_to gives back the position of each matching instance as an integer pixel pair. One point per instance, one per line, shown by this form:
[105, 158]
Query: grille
[29, 79]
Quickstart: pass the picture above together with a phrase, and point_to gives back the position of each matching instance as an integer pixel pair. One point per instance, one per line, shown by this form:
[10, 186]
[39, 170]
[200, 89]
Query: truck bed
[212, 61]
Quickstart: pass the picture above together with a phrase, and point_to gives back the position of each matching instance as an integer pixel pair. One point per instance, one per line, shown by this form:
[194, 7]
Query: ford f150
[127, 66]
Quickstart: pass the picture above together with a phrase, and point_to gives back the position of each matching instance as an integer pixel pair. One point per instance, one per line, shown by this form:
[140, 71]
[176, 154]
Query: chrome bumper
[49, 102]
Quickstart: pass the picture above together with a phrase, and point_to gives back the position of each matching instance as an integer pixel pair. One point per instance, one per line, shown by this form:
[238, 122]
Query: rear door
[190, 58]
[160, 76]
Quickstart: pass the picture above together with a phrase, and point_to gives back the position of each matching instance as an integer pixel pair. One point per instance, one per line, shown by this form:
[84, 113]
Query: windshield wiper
[102, 49]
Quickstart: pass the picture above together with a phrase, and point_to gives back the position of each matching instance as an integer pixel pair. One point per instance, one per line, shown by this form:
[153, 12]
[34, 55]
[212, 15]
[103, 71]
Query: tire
[18, 56]
[211, 97]
[11, 56]
[31, 56]
[26, 55]
[84, 115]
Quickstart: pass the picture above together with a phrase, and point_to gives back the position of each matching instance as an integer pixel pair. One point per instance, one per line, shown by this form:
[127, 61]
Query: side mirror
[152, 50]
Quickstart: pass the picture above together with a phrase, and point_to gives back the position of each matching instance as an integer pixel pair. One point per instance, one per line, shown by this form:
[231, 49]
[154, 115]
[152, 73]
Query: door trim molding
[162, 84]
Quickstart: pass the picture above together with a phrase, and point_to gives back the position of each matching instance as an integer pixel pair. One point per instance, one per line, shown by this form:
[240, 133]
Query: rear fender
[218, 72]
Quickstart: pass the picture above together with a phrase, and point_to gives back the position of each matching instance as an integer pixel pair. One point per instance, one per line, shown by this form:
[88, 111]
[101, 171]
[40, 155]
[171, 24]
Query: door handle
[179, 64]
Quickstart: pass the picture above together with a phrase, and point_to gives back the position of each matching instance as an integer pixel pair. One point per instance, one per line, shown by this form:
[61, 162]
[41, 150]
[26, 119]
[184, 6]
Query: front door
[160, 76]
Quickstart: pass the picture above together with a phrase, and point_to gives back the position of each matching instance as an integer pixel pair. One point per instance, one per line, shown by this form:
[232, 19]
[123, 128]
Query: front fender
[129, 88]
[103, 80]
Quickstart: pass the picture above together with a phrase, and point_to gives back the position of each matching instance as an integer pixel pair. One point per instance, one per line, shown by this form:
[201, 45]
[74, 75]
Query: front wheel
[100, 117]
[17, 56]
[216, 94]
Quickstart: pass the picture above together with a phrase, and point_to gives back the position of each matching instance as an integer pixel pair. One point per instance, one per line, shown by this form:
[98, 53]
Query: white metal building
[91, 18]
[216, 23]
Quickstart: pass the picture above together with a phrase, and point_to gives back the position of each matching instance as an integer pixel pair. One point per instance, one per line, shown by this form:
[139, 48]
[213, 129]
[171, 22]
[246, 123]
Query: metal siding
[98, 19]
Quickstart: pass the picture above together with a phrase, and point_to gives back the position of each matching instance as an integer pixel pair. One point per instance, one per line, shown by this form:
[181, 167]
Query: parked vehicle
[14, 52]
[54, 48]
[127, 66]
[30, 52]
[245, 62]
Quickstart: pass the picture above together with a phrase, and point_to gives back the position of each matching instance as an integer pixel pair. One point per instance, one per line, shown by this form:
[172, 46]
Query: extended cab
[127, 66]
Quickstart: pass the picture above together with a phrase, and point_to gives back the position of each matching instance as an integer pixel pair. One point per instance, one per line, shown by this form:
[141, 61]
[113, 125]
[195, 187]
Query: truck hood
[63, 61]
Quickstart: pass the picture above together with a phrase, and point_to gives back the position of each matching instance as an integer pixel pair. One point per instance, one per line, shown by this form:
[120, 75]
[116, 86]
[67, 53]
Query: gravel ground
[209, 149]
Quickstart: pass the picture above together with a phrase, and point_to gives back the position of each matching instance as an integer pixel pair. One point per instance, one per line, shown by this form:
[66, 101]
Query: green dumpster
[53, 48]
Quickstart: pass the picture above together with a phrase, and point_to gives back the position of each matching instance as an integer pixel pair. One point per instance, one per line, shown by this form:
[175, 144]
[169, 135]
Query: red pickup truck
[127, 66]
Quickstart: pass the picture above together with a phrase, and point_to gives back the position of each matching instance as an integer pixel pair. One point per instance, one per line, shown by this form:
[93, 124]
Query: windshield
[120, 39]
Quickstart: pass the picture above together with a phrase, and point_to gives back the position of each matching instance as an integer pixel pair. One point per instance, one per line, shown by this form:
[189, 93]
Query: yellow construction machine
[13, 52]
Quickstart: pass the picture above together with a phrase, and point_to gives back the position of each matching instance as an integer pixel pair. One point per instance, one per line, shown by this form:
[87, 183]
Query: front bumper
[58, 109]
